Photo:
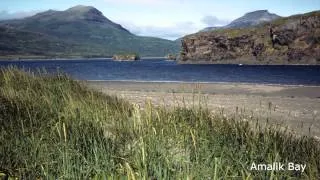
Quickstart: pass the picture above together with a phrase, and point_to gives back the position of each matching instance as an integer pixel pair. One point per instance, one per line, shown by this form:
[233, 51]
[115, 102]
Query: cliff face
[296, 41]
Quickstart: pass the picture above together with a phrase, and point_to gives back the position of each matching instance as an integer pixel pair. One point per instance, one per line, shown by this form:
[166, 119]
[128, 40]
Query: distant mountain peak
[258, 11]
[87, 11]
[253, 18]
[259, 14]
[76, 12]
[247, 20]
[81, 8]
[77, 16]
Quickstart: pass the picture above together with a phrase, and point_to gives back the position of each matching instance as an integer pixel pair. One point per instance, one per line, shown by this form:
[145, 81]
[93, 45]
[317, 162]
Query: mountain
[248, 20]
[21, 42]
[295, 40]
[83, 30]
[252, 19]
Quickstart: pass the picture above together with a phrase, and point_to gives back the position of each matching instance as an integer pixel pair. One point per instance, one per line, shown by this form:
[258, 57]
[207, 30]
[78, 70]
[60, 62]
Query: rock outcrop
[125, 57]
[171, 57]
[296, 41]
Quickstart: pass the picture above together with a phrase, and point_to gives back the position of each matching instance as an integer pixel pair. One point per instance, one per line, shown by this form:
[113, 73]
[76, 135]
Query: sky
[169, 19]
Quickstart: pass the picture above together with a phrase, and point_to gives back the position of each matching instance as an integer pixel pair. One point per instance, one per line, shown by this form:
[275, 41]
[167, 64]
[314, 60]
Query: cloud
[16, 15]
[214, 21]
[171, 32]
[147, 2]
[153, 3]
[175, 30]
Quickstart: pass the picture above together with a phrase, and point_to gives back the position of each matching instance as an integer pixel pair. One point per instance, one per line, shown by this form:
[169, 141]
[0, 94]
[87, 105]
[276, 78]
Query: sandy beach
[294, 107]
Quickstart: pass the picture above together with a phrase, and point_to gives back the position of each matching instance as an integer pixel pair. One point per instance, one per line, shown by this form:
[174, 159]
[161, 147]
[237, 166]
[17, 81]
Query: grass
[53, 127]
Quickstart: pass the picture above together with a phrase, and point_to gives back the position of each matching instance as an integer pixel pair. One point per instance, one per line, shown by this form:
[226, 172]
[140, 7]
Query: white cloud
[16, 15]
[214, 21]
[147, 2]
[151, 3]
[172, 32]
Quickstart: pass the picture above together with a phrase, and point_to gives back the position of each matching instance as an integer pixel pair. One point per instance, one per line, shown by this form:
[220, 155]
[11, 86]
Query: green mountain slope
[82, 31]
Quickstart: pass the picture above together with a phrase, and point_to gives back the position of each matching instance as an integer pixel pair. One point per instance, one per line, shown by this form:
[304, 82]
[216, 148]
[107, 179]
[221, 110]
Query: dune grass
[54, 127]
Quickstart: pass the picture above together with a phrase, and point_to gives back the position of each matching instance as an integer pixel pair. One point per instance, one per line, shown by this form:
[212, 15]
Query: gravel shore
[295, 107]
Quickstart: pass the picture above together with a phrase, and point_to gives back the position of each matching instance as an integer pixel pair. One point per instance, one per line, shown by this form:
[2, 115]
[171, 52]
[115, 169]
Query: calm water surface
[161, 70]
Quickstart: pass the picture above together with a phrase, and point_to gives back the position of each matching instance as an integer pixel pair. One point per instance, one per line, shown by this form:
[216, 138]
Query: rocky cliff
[295, 40]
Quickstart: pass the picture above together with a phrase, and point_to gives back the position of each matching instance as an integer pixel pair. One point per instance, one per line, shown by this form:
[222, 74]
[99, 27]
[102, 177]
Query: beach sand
[294, 107]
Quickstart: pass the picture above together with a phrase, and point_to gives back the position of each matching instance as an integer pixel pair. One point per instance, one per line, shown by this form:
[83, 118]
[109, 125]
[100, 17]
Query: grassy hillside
[15, 42]
[53, 127]
[85, 32]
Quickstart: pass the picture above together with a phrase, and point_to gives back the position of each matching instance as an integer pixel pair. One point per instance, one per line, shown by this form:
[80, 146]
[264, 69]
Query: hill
[295, 40]
[253, 18]
[248, 20]
[81, 31]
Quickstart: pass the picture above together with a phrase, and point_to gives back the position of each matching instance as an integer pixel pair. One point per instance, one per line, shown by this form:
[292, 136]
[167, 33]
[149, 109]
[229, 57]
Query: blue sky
[168, 19]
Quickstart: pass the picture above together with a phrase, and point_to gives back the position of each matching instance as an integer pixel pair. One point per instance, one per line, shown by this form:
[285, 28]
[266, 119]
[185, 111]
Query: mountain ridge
[86, 30]
[249, 19]
[86, 14]
[253, 18]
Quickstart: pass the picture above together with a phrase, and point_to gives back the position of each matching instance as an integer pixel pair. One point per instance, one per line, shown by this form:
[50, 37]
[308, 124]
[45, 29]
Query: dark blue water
[160, 70]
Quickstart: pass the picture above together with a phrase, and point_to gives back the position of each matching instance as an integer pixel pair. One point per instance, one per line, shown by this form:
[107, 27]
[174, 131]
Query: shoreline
[54, 59]
[201, 82]
[295, 107]
[212, 88]
[66, 58]
[248, 64]
[248, 61]
[179, 62]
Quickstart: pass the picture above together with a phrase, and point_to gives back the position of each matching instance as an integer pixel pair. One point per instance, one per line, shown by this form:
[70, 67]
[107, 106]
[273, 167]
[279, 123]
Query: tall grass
[54, 127]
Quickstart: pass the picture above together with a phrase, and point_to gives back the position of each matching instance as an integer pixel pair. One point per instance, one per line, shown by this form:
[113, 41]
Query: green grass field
[53, 127]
